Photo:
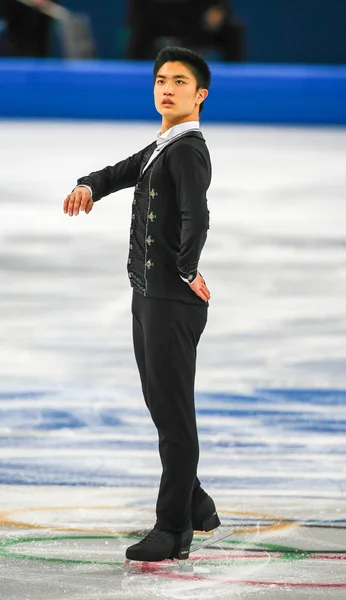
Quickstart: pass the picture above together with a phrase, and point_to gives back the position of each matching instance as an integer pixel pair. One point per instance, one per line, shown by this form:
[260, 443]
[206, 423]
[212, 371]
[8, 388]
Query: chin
[165, 110]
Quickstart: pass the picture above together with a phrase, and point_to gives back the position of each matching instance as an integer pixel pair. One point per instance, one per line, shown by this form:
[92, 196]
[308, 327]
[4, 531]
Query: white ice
[78, 453]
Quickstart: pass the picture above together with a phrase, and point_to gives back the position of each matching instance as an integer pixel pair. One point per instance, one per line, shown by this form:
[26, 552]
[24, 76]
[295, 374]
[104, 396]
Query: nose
[168, 89]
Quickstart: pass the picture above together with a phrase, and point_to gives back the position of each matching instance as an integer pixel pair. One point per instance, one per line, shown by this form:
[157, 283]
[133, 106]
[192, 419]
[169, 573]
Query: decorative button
[190, 277]
[153, 193]
[129, 261]
[149, 264]
[130, 246]
[133, 216]
[137, 186]
[152, 217]
[131, 231]
[130, 275]
[149, 240]
[134, 201]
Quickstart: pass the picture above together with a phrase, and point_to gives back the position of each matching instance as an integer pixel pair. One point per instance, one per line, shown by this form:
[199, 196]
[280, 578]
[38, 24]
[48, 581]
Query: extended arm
[101, 183]
[111, 179]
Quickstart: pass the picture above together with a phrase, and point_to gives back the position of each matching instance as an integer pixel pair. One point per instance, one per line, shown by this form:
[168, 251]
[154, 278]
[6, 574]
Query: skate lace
[153, 535]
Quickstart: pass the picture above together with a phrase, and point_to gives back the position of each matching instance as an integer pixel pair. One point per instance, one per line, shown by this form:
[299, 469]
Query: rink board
[273, 94]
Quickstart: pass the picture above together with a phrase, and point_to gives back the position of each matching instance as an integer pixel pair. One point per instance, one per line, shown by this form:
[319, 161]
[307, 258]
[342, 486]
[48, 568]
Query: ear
[201, 95]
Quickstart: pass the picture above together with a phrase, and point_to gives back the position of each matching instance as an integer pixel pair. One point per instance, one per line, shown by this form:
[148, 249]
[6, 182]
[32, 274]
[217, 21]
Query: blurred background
[289, 31]
[289, 56]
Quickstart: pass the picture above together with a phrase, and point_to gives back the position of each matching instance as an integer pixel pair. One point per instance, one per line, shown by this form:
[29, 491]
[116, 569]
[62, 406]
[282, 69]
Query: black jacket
[170, 217]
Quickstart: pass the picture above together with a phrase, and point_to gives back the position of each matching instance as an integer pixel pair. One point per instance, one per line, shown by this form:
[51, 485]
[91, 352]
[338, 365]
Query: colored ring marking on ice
[152, 568]
[7, 521]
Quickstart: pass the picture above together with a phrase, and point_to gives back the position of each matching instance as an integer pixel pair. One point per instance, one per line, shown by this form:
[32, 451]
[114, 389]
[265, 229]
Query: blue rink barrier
[54, 89]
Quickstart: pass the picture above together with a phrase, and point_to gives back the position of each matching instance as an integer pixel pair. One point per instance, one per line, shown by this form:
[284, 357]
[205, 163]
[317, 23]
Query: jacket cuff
[87, 186]
[189, 277]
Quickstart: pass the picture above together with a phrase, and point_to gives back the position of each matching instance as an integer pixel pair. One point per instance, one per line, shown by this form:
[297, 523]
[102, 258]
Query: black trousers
[165, 338]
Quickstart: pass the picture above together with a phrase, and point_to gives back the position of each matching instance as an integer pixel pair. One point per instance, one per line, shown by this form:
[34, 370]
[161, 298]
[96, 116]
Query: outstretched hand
[200, 288]
[79, 199]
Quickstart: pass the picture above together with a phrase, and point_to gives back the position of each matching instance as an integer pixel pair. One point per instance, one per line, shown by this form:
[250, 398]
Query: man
[169, 226]
[198, 24]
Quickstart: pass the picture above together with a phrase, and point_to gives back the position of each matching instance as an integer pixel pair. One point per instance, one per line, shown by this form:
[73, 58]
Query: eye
[159, 80]
[180, 81]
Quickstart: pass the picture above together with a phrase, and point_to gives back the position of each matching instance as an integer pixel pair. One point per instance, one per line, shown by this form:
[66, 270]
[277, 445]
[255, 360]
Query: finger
[66, 201]
[85, 200]
[71, 204]
[89, 206]
[202, 295]
[77, 202]
[205, 290]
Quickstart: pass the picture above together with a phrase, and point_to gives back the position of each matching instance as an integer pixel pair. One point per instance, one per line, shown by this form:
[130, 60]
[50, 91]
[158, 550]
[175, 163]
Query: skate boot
[160, 545]
[204, 516]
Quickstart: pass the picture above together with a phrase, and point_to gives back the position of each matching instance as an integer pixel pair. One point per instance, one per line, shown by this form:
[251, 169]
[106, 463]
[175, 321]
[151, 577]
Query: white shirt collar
[167, 136]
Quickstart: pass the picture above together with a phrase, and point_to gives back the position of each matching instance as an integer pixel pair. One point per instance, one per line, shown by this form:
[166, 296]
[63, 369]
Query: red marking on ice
[158, 568]
[243, 556]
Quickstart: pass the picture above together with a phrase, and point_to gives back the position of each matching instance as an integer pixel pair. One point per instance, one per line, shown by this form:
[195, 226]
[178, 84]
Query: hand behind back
[200, 288]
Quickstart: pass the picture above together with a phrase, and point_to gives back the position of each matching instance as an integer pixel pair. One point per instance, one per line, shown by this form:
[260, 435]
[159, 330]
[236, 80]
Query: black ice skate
[159, 545]
[204, 516]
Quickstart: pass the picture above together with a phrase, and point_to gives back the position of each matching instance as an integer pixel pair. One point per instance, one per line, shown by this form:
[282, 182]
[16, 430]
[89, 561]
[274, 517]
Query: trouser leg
[138, 346]
[171, 331]
[198, 493]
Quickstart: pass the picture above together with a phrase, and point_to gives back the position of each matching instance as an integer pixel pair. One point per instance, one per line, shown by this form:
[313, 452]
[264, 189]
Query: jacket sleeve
[191, 172]
[111, 179]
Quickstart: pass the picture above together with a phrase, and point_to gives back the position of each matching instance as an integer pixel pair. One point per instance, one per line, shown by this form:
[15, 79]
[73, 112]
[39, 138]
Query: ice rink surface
[79, 468]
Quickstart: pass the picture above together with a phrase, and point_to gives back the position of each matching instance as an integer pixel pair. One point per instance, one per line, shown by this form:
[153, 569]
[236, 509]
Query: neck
[167, 124]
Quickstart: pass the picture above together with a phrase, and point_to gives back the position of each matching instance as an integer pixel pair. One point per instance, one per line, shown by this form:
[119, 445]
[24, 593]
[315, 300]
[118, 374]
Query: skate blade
[163, 566]
[218, 536]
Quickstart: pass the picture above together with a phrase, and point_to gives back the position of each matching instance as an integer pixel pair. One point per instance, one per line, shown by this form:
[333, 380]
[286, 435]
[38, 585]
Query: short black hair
[194, 61]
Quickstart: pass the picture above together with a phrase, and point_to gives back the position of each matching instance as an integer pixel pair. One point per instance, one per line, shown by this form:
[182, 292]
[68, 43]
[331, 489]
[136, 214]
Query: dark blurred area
[26, 30]
[45, 28]
[204, 25]
[262, 31]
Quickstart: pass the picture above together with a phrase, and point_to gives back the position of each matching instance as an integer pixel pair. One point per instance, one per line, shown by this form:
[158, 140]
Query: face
[175, 92]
